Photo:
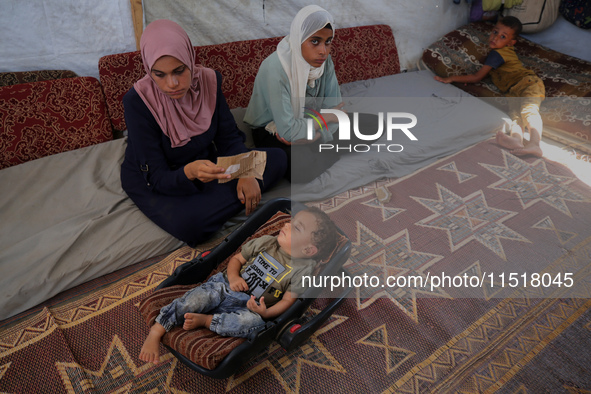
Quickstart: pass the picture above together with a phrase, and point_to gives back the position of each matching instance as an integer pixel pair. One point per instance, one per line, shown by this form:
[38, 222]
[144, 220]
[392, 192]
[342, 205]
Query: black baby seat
[289, 330]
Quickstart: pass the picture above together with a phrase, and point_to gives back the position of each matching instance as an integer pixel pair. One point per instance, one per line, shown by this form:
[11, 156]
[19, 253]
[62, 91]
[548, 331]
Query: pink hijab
[180, 119]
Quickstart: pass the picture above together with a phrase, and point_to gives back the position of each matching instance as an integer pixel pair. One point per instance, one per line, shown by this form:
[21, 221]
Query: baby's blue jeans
[231, 317]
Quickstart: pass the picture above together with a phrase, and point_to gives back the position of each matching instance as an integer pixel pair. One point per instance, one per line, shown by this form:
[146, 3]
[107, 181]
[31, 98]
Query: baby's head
[310, 234]
[505, 32]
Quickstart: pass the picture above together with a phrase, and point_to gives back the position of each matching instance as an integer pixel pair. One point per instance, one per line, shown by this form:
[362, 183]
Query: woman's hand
[205, 171]
[332, 118]
[249, 193]
[303, 141]
[282, 140]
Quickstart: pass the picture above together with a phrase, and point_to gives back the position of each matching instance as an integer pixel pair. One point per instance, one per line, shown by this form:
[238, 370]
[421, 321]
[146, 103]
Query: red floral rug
[511, 234]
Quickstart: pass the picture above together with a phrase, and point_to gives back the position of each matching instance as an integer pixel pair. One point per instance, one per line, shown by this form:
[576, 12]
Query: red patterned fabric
[44, 118]
[364, 52]
[567, 79]
[118, 73]
[14, 78]
[358, 52]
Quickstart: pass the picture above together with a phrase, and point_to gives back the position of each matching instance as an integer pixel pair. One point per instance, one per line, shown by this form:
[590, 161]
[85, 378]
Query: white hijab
[308, 21]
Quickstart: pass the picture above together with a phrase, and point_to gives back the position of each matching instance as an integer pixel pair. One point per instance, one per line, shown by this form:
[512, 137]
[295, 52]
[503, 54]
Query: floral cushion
[567, 109]
[44, 118]
[359, 53]
[14, 78]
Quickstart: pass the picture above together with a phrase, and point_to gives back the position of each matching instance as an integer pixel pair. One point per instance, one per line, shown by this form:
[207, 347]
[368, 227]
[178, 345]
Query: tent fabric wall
[63, 34]
[416, 24]
[74, 34]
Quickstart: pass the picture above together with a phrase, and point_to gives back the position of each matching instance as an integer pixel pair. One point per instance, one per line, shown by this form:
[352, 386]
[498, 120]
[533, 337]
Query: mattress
[447, 121]
[66, 220]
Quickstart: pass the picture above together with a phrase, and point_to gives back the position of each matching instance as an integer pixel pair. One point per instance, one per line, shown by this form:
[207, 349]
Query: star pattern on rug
[287, 367]
[4, 368]
[490, 289]
[394, 356]
[547, 224]
[347, 196]
[469, 218]
[374, 257]
[533, 183]
[118, 373]
[452, 167]
[387, 212]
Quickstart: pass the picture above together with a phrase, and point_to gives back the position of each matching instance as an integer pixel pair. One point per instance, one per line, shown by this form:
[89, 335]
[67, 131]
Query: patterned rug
[484, 216]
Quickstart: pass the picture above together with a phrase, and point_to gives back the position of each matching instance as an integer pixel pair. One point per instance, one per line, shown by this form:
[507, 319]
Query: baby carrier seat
[217, 356]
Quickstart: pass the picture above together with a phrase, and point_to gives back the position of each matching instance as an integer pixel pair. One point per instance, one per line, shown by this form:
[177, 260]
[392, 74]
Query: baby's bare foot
[194, 320]
[150, 351]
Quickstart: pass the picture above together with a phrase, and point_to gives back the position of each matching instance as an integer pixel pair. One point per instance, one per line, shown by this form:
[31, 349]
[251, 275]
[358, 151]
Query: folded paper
[244, 165]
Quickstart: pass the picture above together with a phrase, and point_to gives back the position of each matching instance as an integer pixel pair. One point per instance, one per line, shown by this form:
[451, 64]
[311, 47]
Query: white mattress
[448, 120]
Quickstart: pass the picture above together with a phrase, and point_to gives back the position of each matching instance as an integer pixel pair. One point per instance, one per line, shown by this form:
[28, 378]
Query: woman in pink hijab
[178, 124]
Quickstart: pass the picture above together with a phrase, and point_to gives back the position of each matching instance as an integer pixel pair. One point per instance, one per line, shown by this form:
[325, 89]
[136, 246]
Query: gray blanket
[66, 220]
[448, 120]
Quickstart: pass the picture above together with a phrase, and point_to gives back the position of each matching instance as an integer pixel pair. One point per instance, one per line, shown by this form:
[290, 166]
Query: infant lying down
[268, 269]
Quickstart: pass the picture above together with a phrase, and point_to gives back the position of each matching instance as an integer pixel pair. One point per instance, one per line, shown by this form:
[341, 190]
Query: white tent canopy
[74, 34]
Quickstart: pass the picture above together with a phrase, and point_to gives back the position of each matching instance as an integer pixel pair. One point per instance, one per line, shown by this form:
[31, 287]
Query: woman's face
[316, 48]
[172, 77]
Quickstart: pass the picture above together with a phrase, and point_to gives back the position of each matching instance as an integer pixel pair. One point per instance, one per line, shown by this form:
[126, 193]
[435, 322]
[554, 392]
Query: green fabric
[493, 5]
[271, 98]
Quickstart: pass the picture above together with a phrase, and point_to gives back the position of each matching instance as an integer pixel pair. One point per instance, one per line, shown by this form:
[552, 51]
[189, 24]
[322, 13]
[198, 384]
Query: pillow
[577, 12]
[39, 119]
[535, 15]
[14, 78]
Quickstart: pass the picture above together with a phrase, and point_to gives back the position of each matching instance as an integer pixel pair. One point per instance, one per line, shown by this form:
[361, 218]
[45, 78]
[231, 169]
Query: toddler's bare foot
[150, 351]
[530, 148]
[195, 320]
[507, 141]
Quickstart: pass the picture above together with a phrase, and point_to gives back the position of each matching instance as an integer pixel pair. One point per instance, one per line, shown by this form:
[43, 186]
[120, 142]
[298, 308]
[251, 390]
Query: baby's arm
[237, 283]
[268, 313]
[468, 78]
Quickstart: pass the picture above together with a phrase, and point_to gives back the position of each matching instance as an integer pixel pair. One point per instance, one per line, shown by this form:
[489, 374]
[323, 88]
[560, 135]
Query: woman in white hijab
[296, 79]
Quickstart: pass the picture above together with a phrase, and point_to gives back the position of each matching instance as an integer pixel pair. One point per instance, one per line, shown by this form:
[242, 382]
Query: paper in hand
[244, 165]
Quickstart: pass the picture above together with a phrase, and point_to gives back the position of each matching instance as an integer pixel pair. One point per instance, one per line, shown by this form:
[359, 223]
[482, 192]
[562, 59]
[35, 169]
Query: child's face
[501, 36]
[172, 77]
[316, 48]
[295, 237]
